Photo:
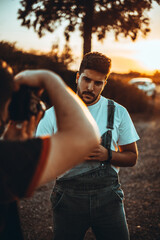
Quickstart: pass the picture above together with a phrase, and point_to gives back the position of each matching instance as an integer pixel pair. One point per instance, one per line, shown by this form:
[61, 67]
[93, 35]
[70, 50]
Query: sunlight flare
[148, 54]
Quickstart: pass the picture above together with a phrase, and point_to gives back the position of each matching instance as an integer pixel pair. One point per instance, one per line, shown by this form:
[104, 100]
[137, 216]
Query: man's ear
[77, 77]
[104, 85]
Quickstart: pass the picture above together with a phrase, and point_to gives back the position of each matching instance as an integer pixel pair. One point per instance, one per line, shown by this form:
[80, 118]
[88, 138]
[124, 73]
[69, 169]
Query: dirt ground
[141, 185]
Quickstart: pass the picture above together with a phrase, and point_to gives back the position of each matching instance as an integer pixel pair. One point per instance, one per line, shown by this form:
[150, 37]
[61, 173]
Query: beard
[88, 101]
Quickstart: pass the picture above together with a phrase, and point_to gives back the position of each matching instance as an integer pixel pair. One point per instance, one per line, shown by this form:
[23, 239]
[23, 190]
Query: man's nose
[91, 86]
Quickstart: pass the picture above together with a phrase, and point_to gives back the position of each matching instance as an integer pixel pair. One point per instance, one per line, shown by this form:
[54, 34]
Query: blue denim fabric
[94, 200]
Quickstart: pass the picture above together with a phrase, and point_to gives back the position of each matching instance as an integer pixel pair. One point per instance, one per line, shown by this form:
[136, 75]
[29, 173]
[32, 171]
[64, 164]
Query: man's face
[90, 84]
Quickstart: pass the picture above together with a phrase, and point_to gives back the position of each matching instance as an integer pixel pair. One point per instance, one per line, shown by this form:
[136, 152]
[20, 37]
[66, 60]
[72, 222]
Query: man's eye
[87, 79]
[97, 83]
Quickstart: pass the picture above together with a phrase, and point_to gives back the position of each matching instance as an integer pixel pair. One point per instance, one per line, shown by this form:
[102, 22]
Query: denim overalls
[93, 199]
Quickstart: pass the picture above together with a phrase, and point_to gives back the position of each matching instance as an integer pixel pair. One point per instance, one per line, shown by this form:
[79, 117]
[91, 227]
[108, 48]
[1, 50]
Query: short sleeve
[21, 166]
[127, 131]
[47, 125]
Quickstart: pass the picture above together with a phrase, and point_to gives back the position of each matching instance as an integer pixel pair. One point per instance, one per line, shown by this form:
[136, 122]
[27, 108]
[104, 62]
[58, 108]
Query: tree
[124, 17]
[20, 60]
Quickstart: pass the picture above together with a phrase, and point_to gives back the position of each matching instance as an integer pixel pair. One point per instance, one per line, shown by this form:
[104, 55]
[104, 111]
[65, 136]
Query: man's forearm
[126, 157]
[123, 159]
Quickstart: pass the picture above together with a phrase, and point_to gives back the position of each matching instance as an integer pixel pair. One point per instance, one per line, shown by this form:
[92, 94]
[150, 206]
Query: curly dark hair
[96, 61]
[6, 83]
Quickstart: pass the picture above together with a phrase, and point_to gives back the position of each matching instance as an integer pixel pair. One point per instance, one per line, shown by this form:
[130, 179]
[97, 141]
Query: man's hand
[22, 131]
[99, 154]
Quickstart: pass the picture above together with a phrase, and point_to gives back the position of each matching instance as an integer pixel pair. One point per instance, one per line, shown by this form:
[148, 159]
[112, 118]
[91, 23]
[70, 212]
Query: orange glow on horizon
[149, 55]
[141, 56]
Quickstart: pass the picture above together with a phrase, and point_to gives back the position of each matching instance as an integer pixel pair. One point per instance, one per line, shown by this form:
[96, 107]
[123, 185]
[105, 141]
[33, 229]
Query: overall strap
[111, 110]
[110, 122]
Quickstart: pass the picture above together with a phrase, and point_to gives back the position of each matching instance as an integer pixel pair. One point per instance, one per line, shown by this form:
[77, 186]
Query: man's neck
[90, 104]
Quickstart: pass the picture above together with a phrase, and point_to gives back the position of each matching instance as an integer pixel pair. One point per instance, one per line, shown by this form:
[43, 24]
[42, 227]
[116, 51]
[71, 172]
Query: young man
[89, 195]
[26, 162]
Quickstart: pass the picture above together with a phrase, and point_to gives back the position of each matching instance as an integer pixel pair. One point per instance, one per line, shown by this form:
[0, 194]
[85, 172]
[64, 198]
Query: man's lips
[87, 94]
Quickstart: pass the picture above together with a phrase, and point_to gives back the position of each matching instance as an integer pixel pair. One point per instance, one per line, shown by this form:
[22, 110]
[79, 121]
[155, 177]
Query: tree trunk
[87, 26]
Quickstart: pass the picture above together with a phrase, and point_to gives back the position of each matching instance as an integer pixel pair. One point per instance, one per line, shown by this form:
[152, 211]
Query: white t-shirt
[123, 133]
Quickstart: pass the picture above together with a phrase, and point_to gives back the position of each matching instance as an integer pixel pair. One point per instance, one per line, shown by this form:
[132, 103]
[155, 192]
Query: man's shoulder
[50, 112]
[118, 106]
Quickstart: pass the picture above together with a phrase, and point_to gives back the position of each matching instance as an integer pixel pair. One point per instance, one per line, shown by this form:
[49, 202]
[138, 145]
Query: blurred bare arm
[77, 132]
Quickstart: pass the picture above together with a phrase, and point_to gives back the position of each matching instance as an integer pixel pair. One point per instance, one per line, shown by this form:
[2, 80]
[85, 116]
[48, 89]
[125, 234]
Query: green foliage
[129, 96]
[20, 60]
[127, 18]
[156, 77]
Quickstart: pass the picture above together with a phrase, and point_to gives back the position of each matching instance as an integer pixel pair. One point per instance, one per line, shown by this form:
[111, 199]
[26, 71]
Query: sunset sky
[142, 55]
